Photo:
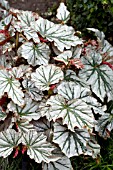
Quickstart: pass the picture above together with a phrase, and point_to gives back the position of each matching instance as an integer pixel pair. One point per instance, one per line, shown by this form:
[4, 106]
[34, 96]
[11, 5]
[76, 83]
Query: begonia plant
[56, 89]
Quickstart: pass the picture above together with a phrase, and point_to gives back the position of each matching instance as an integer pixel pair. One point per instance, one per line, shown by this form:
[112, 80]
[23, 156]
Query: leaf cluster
[56, 89]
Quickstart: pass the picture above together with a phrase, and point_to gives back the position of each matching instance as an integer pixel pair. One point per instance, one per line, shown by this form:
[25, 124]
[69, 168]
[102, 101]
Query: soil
[40, 6]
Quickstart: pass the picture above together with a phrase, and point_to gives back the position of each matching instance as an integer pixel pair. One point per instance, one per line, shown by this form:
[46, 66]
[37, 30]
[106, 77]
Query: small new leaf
[62, 13]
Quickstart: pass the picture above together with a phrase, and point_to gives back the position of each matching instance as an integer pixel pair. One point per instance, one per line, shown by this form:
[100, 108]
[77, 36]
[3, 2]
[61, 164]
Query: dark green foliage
[92, 14]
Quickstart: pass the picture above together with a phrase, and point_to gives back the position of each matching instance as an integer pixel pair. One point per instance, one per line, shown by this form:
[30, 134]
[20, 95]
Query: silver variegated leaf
[11, 86]
[37, 146]
[27, 18]
[2, 37]
[62, 13]
[74, 113]
[44, 126]
[93, 148]
[56, 155]
[31, 34]
[33, 91]
[76, 51]
[100, 35]
[64, 57]
[4, 22]
[24, 126]
[62, 35]
[87, 97]
[6, 123]
[28, 111]
[71, 76]
[46, 75]
[69, 90]
[3, 62]
[107, 48]
[25, 24]
[7, 20]
[19, 72]
[5, 4]
[3, 114]
[35, 54]
[71, 143]
[99, 76]
[7, 47]
[9, 139]
[105, 125]
[4, 8]
[44, 110]
[62, 164]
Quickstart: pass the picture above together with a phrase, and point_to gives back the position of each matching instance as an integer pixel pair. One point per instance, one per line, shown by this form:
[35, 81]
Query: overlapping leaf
[33, 91]
[28, 111]
[11, 86]
[27, 18]
[3, 114]
[71, 143]
[69, 90]
[63, 163]
[19, 72]
[107, 48]
[76, 51]
[46, 75]
[93, 103]
[37, 146]
[25, 24]
[62, 35]
[35, 54]
[56, 155]
[105, 125]
[100, 35]
[4, 4]
[75, 113]
[31, 34]
[24, 126]
[93, 148]
[5, 22]
[99, 76]
[44, 110]
[71, 76]
[8, 141]
[64, 57]
[4, 9]
[44, 126]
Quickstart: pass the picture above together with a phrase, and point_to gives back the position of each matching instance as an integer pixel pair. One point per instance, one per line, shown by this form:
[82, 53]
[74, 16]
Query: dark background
[40, 6]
